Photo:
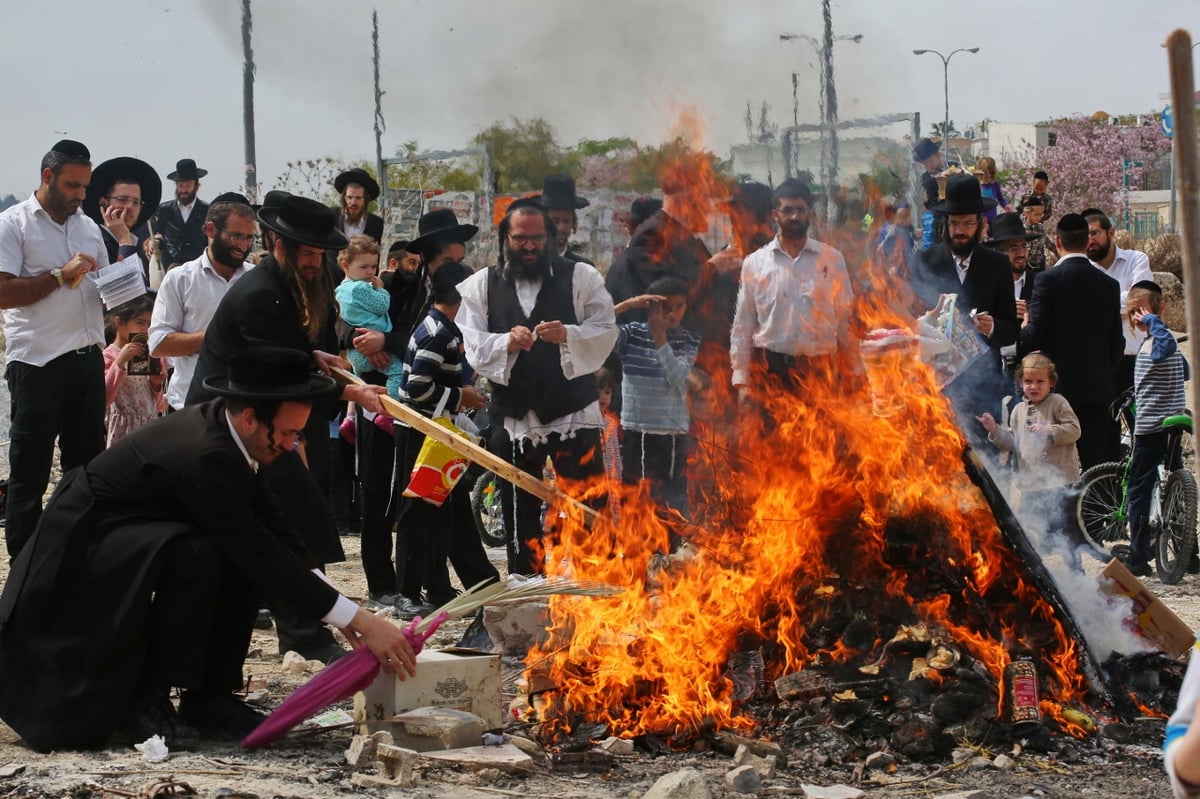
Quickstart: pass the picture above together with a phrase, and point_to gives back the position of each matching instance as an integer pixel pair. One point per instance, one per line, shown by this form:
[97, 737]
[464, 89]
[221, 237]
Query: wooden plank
[469, 449]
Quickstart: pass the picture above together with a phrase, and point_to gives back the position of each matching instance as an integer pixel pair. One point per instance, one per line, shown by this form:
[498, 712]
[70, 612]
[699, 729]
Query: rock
[974, 794]
[531, 748]
[683, 784]
[516, 626]
[743, 779]
[1174, 314]
[881, 761]
[397, 763]
[1004, 763]
[979, 763]
[765, 766]
[11, 770]
[831, 792]
[295, 664]
[728, 742]
[617, 746]
[505, 757]
[921, 740]
[429, 728]
[361, 752]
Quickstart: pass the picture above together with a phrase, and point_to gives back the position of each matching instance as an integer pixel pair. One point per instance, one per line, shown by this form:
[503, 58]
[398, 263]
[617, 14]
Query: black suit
[1075, 319]
[374, 229]
[182, 241]
[987, 287]
[144, 570]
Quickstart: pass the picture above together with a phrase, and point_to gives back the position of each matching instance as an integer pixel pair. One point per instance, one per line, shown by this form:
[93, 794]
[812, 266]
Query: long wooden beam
[472, 451]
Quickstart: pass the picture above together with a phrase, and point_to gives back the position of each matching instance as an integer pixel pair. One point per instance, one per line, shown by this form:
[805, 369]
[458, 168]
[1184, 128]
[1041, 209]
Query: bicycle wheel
[485, 510]
[1177, 533]
[1101, 506]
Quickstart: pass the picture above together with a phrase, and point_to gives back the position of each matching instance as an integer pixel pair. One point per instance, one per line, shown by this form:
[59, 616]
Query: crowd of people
[207, 457]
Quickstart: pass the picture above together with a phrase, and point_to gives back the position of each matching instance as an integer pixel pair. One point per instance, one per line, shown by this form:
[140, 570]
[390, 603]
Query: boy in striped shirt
[1158, 376]
[656, 358]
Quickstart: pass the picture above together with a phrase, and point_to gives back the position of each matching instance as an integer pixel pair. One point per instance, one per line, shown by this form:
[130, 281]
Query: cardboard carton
[1153, 620]
[460, 679]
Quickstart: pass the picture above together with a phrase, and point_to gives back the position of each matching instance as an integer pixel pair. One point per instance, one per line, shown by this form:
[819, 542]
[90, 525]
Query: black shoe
[263, 621]
[1139, 569]
[436, 600]
[1194, 565]
[218, 714]
[409, 608]
[151, 713]
[326, 653]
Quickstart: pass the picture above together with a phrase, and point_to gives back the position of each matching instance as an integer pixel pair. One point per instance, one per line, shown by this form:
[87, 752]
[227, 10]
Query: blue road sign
[1168, 122]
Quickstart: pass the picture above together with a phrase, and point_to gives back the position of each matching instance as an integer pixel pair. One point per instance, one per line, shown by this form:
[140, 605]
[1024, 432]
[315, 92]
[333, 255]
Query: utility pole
[248, 104]
[831, 115]
[380, 126]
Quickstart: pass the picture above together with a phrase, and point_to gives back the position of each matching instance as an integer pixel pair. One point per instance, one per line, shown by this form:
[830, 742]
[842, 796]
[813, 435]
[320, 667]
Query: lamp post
[946, 79]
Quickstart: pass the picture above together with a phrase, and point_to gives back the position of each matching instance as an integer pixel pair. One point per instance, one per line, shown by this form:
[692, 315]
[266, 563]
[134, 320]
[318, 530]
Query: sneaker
[218, 714]
[409, 608]
[382, 601]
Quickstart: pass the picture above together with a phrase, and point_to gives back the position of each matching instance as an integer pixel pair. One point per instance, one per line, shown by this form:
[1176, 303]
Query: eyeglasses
[1019, 247]
[793, 210]
[963, 224]
[123, 200]
[521, 241]
[242, 238]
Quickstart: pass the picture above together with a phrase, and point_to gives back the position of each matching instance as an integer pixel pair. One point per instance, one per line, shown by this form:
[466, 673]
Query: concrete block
[832, 792]
[765, 766]
[516, 626]
[743, 779]
[505, 757]
[397, 764]
[683, 784]
[617, 746]
[429, 728]
[361, 752]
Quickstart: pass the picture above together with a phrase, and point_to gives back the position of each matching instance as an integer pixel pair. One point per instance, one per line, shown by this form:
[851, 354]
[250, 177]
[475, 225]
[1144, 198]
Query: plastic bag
[438, 467]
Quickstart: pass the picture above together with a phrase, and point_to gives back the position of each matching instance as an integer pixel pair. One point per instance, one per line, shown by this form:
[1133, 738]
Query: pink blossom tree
[1086, 163]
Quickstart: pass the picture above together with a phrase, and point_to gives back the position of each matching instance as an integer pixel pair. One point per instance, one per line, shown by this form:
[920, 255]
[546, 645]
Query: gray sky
[162, 79]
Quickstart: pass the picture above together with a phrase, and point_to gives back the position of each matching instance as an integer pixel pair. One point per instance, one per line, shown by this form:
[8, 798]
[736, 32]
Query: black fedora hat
[186, 169]
[272, 373]
[127, 169]
[439, 224]
[306, 221]
[1008, 227]
[924, 149]
[274, 198]
[963, 196]
[362, 178]
[558, 192]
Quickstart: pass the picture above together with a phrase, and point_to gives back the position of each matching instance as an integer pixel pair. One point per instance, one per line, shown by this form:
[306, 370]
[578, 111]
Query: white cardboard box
[462, 679]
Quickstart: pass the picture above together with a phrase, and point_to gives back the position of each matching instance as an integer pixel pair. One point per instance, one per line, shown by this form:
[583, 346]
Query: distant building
[765, 162]
[1005, 141]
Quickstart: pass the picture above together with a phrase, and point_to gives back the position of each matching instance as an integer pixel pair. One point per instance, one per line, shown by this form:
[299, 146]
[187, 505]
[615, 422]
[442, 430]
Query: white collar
[253, 464]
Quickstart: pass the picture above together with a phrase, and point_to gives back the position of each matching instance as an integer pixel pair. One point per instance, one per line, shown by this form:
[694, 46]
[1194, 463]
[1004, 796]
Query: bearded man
[358, 190]
[1008, 236]
[180, 222]
[287, 301]
[538, 326]
[981, 279]
[1126, 267]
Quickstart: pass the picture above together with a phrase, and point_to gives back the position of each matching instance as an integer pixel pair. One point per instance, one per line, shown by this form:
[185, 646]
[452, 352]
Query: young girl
[133, 381]
[986, 167]
[610, 435]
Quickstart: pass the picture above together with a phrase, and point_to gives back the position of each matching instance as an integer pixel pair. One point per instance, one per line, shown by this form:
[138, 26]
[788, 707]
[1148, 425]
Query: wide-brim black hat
[963, 196]
[924, 149]
[127, 169]
[186, 169]
[1008, 227]
[272, 373]
[558, 193]
[274, 198]
[440, 224]
[306, 221]
[362, 178]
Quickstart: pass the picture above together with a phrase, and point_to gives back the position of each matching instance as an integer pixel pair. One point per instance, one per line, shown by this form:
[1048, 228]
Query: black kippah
[1072, 223]
[398, 245]
[1149, 285]
[230, 197]
[71, 149]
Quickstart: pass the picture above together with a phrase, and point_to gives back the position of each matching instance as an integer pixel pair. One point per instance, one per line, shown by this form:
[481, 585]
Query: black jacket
[182, 241]
[374, 229]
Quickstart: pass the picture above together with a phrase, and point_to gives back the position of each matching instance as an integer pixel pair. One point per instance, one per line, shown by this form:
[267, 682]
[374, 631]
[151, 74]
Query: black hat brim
[125, 167]
[948, 207]
[460, 233]
[362, 178]
[1022, 237]
[318, 387]
[175, 177]
[579, 202]
[334, 240]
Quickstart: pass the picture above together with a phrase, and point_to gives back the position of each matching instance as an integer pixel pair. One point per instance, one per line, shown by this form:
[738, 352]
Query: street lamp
[946, 80]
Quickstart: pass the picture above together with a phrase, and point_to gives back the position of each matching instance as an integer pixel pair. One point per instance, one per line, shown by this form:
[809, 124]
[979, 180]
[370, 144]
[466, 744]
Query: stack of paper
[121, 282]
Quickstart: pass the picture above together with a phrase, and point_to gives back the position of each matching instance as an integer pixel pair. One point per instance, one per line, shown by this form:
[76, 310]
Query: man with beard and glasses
[190, 293]
[792, 320]
[358, 190]
[538, 326]
[981, 280]
[1009, 237]
[121, 198]
[179, 223]
[1126, 267]
[1074, 318]
[287, 301]
[54, 330]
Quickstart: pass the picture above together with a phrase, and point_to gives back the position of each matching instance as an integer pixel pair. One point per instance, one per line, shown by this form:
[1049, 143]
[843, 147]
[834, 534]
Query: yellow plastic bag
[438, 467]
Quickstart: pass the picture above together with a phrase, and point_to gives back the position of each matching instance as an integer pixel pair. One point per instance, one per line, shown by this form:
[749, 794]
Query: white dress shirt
[797, 306]
[32, 244]
[185, 211]
[588, 344]
[1128, 267]
[356, 228]
[187, 299]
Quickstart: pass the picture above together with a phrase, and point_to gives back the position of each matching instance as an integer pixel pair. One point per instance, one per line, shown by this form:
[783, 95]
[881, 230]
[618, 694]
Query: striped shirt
[433, 366]
[1158, 375]
[654, 388]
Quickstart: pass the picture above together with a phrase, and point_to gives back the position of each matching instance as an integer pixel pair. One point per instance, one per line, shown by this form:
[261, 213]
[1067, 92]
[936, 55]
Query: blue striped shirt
[654, 387]
[433, 365]
[1158, 375]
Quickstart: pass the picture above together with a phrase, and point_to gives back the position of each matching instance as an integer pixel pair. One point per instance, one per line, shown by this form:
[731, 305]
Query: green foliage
[523, 153]
[450, 174]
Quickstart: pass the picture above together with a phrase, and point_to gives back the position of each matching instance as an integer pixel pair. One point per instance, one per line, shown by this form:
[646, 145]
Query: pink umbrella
[337, 681]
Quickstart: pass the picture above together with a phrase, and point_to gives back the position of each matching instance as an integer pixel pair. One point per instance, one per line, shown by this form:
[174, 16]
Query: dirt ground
[314, 766]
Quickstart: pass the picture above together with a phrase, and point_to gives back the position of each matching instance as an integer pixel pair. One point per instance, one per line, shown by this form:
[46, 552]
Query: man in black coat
[180, 222]
[1074, 318]
[1008, 237]
[358, 190]
[981, 279]
[121, 198]
[561, 202]
[144, 572]
[287, 301]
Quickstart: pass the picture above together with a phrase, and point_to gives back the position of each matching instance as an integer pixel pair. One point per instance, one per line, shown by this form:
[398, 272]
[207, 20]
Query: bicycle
[1102, 508]
[485, 510]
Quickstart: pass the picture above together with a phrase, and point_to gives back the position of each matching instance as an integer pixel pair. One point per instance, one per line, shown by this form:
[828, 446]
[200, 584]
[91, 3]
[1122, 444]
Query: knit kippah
[71, 149]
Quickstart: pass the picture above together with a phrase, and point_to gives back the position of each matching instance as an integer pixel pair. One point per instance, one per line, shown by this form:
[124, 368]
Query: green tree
[451, 174]
[523, 152]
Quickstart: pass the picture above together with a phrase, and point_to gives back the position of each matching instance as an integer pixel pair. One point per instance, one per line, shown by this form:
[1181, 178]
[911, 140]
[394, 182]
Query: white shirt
[791, 306]
[31, 244]
[187, 299]
[961, 265]
[355, 228]
[588, 344]
[1010, 350]
[1128, 267]
[343, 609]
[186, 210]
